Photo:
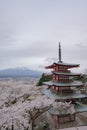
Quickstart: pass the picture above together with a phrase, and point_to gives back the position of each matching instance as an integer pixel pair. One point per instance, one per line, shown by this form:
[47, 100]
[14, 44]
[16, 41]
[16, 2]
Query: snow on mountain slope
[16, 72]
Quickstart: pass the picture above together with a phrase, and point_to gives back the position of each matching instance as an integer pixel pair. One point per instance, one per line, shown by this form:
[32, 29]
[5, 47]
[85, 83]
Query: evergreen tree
[43, 79]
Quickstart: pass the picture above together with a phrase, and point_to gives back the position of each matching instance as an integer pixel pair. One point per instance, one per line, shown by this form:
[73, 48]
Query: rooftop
[78, 109]
[62, 64]
[54, 95]
[73, 84]
[70, 74]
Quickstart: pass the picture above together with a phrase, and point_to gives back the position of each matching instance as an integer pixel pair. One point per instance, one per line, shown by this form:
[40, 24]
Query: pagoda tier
[78, 108]
[59, 84]
[61, 66]
[64, 118]
[64, 87]
[69, 74]
[63, 77]
[65, 96]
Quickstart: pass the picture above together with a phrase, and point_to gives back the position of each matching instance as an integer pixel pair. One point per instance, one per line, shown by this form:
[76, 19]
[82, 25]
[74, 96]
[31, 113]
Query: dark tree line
[43, 79]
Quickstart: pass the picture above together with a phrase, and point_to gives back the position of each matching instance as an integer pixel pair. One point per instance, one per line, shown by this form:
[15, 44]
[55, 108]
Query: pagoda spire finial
[59, 53]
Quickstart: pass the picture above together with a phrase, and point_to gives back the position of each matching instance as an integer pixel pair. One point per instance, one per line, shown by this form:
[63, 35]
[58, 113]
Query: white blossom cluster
[64, 106]
[17, 98]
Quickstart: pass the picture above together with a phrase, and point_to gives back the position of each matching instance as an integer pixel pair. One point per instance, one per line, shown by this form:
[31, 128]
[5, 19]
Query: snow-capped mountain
[19, 72]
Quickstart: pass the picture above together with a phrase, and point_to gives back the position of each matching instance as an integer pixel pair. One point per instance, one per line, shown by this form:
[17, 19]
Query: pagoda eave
[78, 109]
[50, 66]
[64, 97]
[62, 64]
[68, 74]
[50, 83]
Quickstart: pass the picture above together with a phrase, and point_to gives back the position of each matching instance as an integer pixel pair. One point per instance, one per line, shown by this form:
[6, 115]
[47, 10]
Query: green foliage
[43, 79]
[82, 78]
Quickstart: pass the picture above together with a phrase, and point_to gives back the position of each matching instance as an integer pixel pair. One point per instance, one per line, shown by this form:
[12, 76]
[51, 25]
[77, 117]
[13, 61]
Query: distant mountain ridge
[17, 72]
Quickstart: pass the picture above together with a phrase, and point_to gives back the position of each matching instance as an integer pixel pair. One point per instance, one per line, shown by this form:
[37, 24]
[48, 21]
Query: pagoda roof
[62, 64]
[63, 96]
[78, 108]
[73, 84]
[62, 73]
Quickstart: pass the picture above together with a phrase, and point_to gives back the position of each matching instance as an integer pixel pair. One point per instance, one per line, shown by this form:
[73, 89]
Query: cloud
[30, 31]
[81, 44]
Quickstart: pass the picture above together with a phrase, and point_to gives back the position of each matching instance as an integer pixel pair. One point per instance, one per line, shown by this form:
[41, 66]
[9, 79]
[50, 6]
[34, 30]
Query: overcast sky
[30, 31]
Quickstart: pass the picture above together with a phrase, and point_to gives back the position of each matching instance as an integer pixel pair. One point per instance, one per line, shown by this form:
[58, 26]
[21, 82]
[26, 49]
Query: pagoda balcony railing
[64, 91]
[63, 71]
[68, 91]
[62, 81]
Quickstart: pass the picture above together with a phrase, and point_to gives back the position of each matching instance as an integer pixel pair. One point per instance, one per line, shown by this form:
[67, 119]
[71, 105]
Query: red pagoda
[62, 88]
